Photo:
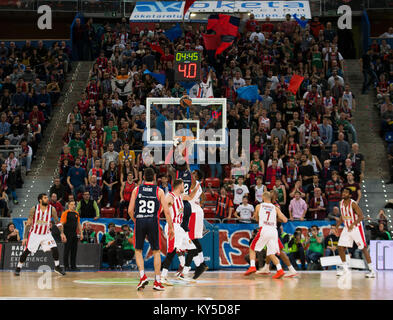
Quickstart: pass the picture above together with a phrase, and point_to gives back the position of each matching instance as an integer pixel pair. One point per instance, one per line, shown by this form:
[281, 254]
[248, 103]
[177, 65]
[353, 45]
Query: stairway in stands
[375, 193]
[45, 167]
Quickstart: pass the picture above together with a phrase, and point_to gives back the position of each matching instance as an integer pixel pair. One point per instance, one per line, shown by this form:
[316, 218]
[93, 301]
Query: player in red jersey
[38, 228]
[352, 216]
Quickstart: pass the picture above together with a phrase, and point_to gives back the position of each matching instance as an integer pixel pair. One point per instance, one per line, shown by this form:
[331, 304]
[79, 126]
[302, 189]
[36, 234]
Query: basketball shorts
[186, 214]
[196, 222]
[150, 228]
[45, 240]
[181, 240]
[267, 236]
[347, 238]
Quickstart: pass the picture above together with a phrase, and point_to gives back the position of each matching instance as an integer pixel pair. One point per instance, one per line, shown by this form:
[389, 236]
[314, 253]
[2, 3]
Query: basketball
[185, 101]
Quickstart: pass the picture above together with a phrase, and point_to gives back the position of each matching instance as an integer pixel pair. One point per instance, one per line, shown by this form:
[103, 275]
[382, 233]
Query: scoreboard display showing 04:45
[187, 66]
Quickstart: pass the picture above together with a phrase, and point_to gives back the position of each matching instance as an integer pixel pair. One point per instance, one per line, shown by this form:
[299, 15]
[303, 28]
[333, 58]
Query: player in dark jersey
[146, 203]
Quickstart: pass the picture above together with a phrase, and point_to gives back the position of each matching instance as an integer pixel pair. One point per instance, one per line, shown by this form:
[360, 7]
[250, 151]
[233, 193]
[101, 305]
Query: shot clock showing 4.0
[187, 66]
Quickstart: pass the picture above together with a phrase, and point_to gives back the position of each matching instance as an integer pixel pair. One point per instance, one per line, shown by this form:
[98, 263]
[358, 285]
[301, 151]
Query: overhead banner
[234, 239]
[173, 10]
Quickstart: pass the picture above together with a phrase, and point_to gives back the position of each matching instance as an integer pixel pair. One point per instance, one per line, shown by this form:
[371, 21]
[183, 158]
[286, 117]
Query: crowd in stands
[31, 79]
[304, 145]
[379, 76]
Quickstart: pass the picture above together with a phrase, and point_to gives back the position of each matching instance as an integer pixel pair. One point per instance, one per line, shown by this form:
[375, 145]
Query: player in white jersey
[39, 234]
[195, 232]
[267, 214]
[352, 216]
[181, 240]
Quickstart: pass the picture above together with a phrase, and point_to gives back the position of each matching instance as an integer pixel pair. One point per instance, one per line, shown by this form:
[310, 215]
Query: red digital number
[183, 70]
[193, 67]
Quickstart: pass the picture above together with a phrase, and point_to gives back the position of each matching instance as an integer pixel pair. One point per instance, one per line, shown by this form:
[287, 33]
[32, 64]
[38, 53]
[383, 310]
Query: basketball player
[38, 228]
[266, 268]
[181, 240]
[147, 200]
[195, 230]
[267, 213]
[352, 217]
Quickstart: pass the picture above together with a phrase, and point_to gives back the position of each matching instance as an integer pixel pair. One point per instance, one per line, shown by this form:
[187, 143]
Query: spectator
[354, 187]
[306, 171]
[26, 155]
[244, 212]
[77, 179]
[296, 249]
[111, 181]
[87, 207]
[12, 234]
[239, 190]
[224, 204]
[89, 235]
[273, 173]
[58, 189]
[333, 191]
[331, 242]
[94, 189]
[335, 214]
[297, 208]
[125, 195]
[315, 249]
[358, 162]
[110, 156]
[318, 205]
[8, 182]
[342, 145]
[76, 144]
[56, 204]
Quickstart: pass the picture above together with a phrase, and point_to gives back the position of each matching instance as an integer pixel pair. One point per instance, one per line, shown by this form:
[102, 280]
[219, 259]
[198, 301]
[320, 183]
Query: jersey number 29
[146, 206]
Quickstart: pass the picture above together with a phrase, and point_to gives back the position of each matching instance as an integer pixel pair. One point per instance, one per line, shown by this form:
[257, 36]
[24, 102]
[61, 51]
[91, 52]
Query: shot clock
[187, 66]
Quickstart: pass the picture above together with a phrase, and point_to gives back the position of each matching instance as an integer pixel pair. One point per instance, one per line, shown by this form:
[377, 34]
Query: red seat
[209, 212]
[227, 181]
[108, 212]
[209, 197]
[163, 169]
[215, 182]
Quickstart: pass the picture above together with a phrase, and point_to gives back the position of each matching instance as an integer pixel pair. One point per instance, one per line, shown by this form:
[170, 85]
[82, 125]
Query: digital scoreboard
[187, 66]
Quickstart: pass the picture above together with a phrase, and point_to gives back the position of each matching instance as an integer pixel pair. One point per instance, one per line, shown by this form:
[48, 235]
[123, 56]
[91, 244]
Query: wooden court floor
[224, 285]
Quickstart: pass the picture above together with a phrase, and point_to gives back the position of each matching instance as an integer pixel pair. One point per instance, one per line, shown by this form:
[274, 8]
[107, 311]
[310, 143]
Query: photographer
[117, 245]
[89, 235]
[378, 231]
[315, 250]
[260, 255]
[296, 249]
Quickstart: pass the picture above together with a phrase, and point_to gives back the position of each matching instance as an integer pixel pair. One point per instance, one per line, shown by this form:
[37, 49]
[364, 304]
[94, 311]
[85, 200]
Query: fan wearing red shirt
[251, 23]
[36, 113]
[167, 56]
[267, 26]
[83, 104]
[94, 143]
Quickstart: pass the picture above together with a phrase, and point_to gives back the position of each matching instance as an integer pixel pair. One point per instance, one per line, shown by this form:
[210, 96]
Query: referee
[72, 227]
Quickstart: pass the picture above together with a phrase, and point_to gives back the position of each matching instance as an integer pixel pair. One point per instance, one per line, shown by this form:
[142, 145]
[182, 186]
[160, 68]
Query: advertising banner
[173, 10]
[88, 257]
[234, 239]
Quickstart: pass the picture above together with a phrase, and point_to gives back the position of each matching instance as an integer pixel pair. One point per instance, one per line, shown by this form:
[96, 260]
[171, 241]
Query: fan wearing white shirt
[259, 35]
[238, 81]
[239, 191]
[245, 211]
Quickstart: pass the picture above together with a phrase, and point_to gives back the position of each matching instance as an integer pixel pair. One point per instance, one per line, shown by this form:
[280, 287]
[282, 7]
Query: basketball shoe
[17, 271]
[199, 270]
[166, 282]
[60, 271]
[186, 278]
[250, 270]
[158, 286]
[279, 274]
[264, 270]
[290, 274]
[179, 270]
[142, 283]
[370, 274]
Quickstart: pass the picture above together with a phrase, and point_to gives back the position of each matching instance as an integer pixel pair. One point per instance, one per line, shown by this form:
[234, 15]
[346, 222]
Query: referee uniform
[71, 223]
